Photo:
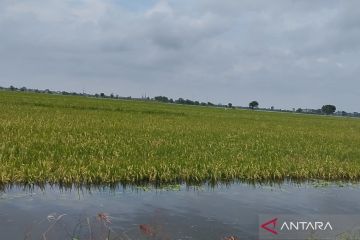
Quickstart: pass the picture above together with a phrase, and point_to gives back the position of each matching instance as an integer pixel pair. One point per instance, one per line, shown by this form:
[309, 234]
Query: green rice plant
[78, 140]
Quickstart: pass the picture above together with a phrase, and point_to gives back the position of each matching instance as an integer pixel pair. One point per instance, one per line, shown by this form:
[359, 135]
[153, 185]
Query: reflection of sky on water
[200, 213]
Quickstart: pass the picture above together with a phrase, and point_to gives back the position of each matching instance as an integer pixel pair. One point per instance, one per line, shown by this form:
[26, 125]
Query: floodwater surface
[179, 212]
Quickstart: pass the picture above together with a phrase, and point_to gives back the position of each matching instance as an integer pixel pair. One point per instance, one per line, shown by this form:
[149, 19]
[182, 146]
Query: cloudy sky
[283, 53]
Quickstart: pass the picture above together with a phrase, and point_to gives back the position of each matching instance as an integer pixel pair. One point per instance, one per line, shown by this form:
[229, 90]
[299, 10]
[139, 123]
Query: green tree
[253, 104]
[161, 99]
[180, 101]
[229, 105]
[328, 109]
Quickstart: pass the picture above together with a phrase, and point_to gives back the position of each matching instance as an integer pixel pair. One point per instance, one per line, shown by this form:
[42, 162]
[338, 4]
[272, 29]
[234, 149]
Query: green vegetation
[253, 104]
[328, 109]
[72, 139]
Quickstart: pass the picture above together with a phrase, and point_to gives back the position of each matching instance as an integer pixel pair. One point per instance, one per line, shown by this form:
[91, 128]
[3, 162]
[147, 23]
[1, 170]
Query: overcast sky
[282, 53]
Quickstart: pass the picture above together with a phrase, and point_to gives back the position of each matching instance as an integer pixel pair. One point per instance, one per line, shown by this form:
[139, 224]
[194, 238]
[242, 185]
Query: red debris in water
[104, 217]
[231, 238]
[147, 230]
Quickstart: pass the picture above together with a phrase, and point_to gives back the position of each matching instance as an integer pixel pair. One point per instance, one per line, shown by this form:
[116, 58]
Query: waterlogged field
[58, 139]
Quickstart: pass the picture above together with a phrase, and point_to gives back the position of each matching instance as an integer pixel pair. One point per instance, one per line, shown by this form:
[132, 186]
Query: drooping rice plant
[66, 139]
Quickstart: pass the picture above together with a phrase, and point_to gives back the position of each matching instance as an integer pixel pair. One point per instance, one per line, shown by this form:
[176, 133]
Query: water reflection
[223, 212]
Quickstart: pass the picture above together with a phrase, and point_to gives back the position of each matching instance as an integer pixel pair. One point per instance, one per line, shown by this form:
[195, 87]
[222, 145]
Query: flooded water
[177, 213]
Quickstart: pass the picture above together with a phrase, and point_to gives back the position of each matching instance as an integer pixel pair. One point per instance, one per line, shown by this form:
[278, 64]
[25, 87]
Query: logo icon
[270, 226]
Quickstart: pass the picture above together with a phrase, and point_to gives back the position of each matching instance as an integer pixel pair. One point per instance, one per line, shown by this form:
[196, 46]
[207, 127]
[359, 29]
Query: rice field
[78, 140]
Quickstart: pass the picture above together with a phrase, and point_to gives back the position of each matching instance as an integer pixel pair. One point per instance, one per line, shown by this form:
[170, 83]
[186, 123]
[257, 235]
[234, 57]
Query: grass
[78, 140]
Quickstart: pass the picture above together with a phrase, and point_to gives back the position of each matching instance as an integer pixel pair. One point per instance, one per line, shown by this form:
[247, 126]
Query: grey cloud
[283, 53]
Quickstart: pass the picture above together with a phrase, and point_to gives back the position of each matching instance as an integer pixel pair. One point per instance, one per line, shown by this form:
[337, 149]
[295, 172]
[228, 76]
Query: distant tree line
[47, 91]
[183, 101]
[325, 109]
